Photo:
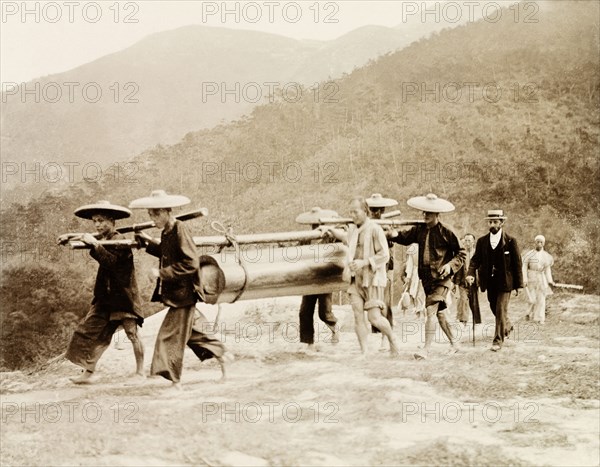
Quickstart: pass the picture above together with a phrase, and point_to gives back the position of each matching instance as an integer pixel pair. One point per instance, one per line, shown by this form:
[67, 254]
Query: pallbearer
[307, 306]
[377, 205]
[116, 297]
[440, 256]
[177, 286]
[368, 254]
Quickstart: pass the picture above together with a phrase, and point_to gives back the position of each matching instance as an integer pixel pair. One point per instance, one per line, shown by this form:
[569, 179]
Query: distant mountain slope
[166, 85]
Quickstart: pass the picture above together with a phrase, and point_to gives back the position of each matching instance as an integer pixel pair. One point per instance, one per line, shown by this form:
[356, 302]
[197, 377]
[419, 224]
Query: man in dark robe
[116, 297]
[178, 287]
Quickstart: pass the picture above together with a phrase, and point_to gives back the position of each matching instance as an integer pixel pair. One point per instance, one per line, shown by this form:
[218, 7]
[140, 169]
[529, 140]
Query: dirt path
[284, 405]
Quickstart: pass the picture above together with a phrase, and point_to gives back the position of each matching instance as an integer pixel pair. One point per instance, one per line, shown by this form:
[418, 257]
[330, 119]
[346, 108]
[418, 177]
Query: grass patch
[441, 452]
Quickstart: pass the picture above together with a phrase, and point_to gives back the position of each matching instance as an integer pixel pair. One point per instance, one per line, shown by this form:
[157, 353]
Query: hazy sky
[40, 38]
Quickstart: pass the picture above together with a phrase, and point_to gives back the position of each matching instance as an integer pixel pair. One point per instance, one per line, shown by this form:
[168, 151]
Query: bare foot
[85, 378]
[138, 377]
[175, 388]
[224, 359]
[335, 337]
[227, 357]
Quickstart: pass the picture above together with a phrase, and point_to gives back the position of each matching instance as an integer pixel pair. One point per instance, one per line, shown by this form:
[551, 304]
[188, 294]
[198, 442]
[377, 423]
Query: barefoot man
[368, 255]
[377, 205]
[116, 297]
[178, 287]
[440, 256]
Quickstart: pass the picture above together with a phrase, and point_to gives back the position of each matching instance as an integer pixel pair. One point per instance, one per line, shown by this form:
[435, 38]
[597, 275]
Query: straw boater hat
[159, 199]
[493, 214]
[313, 216]
[430, 203]
[102, 207]
[378, 201]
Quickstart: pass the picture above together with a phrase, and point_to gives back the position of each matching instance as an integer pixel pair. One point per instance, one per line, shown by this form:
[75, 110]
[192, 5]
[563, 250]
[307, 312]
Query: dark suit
[467, 291]
[500, 272]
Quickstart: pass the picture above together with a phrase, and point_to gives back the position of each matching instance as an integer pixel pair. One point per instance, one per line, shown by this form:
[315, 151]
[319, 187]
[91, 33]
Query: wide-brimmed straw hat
[378, 201]
[159, 199]
[312, 217]
[430, 203]
[103, 207]
[493, 214]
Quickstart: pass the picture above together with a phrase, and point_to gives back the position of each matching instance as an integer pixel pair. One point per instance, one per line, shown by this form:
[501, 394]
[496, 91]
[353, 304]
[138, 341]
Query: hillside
[533, 154]
[167, 84]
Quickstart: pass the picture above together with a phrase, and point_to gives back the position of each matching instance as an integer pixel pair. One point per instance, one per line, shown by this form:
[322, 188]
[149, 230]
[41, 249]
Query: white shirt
[495, 239]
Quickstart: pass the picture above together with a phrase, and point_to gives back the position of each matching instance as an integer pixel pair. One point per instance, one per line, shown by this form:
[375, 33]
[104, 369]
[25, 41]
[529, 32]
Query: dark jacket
[460, 278]
[510, 273]
[444, 248]
[116, 285]
[179, 281]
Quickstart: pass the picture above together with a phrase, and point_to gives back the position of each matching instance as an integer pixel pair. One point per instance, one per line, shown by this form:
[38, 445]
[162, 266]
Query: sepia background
[259, 118]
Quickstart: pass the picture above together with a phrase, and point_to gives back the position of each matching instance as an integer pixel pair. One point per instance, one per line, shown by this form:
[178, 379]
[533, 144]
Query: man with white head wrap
[537, 264]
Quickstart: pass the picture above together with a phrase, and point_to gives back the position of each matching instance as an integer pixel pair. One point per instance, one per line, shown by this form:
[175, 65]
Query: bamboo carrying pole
[262, 271]
[568, 286]
[201, 212]
[220, 241]
[347, 220]
[388, 215]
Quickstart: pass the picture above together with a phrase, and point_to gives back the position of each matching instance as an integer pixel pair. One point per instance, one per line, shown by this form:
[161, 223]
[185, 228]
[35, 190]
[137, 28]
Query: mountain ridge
[156, 90]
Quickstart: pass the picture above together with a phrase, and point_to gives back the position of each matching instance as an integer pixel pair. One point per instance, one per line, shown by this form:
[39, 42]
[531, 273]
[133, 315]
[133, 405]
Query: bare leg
[335, 334]
[118, 337]
[381, 323]
[446, 327]
[130, 327]
[227, 357]
[448, 331]
[223, 369]
[360, 325]
[383, 346]
[430, 312]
